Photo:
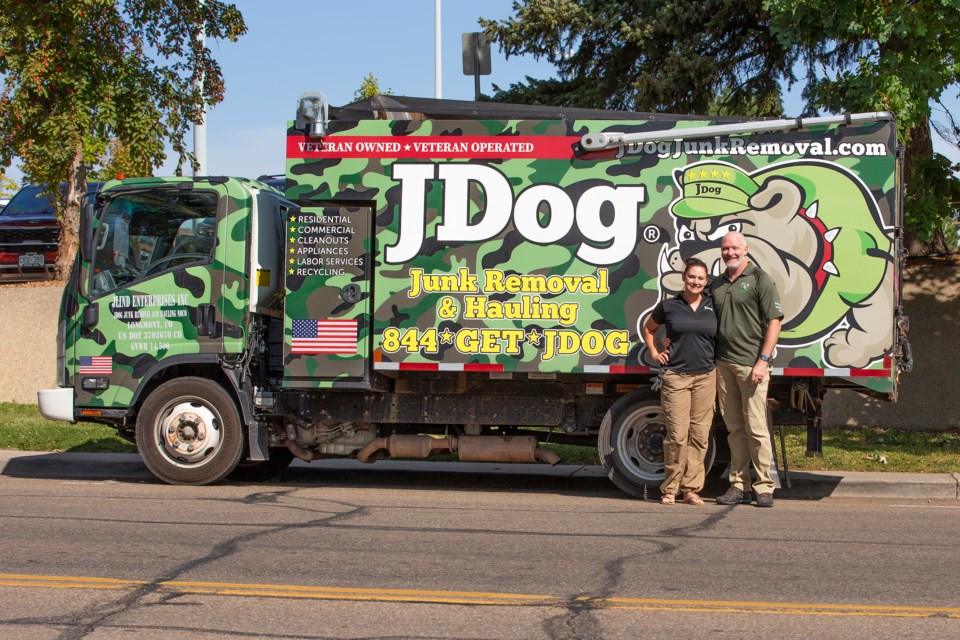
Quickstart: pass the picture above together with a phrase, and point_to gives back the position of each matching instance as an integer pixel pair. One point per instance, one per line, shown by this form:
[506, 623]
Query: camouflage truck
[443, 276]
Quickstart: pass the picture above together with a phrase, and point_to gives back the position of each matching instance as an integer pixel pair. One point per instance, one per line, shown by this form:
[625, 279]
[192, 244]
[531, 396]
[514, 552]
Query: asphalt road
[337, 554]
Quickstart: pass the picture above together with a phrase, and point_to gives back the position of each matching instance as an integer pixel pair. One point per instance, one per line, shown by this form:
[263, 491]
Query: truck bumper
[56, 404]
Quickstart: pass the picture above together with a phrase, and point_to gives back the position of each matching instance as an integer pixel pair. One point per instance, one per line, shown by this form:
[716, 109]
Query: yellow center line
[474, 597]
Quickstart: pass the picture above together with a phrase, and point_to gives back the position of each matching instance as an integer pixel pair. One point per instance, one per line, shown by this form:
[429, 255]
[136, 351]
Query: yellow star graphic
[726, 174]
[704, 174]
[446, 336]
[691, 175]
[534, 337]
[291, 260]
[291, 218]
[291, 250]
[714, 174]
[292, 229]
[290, 271]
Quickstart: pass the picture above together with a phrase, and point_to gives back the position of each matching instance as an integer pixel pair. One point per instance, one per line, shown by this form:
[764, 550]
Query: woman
[689, 387]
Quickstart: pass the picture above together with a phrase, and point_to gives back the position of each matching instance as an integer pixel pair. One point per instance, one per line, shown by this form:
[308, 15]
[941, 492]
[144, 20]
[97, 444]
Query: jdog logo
[816, 229]
[606, 239]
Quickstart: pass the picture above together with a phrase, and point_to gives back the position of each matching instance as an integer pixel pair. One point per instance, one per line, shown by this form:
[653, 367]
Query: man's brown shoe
[764, 499]
[734, 496]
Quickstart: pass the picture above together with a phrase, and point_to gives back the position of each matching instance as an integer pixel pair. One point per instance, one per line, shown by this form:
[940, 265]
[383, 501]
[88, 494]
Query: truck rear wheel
[188, 432]
[631, 443]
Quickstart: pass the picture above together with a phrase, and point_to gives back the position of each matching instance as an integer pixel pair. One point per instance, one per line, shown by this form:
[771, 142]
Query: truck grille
[29, 235]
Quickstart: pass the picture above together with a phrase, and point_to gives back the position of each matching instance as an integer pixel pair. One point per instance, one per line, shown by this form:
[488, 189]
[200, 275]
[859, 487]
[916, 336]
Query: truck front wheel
[630, 443]
[188, 432]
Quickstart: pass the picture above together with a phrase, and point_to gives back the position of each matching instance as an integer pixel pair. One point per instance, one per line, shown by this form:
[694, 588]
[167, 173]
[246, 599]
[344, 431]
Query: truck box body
[470, 277]
[498, 246]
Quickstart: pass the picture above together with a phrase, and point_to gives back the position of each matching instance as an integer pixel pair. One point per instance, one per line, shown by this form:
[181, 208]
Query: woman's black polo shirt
[691, 333]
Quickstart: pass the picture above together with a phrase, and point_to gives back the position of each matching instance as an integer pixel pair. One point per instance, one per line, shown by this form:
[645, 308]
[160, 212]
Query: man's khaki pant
[743, 406]
[689, 401]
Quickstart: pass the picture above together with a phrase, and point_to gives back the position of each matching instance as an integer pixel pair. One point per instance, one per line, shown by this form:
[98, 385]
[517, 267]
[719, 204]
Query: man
[749, 313]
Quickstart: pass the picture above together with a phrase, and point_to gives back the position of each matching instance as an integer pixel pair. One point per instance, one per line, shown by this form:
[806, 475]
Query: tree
[718, 58]
[8, 187]
[80, 74]
[648, 55]
[118, 161]
[863, 55]
[370, 87]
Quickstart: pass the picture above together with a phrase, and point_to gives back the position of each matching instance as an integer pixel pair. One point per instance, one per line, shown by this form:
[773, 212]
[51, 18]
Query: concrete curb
[860, 484]
[805, 484]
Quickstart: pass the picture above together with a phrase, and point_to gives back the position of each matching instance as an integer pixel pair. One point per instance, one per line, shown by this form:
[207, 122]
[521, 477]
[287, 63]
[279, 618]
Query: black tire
[262, 470]
[631, 443]
[189, 432]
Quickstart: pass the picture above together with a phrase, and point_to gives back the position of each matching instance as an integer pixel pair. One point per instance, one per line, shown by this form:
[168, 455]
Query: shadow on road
[390, 474]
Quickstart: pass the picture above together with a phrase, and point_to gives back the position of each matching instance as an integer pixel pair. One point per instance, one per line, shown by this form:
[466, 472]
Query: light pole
[200, 125]
[437, 82]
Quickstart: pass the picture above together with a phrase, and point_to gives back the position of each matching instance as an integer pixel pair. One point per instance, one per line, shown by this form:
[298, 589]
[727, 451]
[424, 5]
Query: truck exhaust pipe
[468, 448]
[298, 451]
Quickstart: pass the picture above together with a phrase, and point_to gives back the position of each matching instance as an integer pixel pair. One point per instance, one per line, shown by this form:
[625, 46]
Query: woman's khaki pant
[689, 402]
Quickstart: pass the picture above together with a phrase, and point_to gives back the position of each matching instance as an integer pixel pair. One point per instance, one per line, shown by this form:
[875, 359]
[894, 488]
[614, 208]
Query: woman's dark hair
[694, 262]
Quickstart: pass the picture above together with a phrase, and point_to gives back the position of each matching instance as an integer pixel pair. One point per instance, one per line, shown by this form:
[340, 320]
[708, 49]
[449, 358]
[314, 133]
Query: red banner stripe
[479, 366]
[869, 373]
[427, 147]
[631, 369]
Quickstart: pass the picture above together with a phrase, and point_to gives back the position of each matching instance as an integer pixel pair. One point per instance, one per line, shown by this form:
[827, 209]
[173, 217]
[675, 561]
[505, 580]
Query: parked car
[278, 181]
[30, 234]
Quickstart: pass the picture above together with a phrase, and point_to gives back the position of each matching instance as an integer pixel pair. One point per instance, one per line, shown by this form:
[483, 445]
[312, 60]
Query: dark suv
[30, 234]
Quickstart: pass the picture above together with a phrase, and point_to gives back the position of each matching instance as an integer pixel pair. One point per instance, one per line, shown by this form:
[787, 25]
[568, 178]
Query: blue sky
[296, 46]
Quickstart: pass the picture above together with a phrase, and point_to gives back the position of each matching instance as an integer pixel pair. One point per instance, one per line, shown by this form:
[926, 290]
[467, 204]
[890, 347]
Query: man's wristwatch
[765, 357]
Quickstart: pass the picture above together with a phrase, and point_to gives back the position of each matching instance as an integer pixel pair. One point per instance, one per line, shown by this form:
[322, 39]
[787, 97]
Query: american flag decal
[324, 336]
[96, 365]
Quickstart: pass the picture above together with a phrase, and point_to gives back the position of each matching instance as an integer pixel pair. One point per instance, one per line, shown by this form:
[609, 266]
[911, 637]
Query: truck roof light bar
[611, 139]
[313, 114]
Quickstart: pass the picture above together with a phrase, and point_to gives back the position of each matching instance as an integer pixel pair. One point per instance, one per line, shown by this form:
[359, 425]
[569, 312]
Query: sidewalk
[805, 484]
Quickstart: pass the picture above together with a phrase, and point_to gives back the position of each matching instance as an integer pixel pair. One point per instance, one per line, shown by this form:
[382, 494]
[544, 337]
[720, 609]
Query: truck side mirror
[86, 228]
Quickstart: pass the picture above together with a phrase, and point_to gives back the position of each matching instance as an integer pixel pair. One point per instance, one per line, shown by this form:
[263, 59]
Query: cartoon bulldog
[816, 229]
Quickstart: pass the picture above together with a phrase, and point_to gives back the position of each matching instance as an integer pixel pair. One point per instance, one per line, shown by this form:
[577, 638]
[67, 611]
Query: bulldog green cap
[712, 189]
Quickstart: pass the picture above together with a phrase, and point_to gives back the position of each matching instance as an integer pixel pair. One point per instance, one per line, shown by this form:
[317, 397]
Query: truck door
[327, 302]
[152, 292]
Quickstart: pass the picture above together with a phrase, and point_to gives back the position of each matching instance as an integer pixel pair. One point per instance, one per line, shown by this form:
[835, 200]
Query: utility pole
[200, 125]
[437, 80]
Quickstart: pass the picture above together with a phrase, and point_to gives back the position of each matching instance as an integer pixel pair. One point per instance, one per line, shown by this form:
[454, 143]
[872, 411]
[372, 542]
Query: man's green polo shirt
[744, 309]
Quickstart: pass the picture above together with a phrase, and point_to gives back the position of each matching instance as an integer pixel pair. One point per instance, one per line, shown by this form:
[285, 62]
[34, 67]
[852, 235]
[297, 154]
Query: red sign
[427, 147]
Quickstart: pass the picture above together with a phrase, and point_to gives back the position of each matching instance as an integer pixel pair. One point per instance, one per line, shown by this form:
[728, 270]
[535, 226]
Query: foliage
[951, 238]
[863, 55]
[120, 161]
[647, 55]
[723, 58]
[934, 195]
[370, 87]
[8, 186]
[80, 74]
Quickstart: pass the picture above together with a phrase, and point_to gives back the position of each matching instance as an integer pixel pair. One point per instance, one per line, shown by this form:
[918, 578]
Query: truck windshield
[144, 233]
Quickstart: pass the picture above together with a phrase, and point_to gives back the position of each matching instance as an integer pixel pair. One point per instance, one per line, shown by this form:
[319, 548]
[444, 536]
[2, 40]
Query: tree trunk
[70, 218]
